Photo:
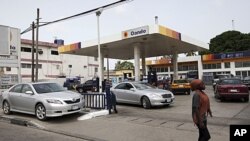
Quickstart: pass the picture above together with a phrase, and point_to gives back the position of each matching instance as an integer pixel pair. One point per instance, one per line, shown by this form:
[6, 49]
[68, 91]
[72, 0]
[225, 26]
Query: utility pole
[98, 13]
[32, 52]
[37, 33]
[233, 25]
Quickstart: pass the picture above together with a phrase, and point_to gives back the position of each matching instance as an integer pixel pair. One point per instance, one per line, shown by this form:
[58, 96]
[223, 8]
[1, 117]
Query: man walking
[200, 109]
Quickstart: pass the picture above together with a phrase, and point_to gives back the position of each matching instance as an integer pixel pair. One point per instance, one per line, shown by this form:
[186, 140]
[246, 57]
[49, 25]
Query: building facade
[52, 65]
[235, 63]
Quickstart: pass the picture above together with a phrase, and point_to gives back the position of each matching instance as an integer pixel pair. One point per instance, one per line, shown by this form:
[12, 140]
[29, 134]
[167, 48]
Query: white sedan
[142, 94]
[41, 99]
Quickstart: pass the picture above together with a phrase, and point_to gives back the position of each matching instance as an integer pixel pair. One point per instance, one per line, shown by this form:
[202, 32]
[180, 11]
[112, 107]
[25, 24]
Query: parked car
[89, 85]
[232, 88]
[181, 86]
[217, 77]
[246, 81]
[142, 94]
[41, 99]
[71, 83]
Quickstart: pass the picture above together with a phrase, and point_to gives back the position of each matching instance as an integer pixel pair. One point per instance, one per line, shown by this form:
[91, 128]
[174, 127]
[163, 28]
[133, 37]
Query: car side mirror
[29, 92]
[132, 89]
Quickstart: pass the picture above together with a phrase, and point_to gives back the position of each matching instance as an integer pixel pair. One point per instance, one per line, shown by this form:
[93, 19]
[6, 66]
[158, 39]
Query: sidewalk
[124, 128]
[114, 128]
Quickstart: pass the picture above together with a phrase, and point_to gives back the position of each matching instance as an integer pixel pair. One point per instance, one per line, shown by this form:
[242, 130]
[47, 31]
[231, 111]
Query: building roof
[156, 40]
[40, 43]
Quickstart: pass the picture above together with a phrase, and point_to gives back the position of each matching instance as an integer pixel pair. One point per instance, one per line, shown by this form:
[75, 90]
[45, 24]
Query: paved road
[162, 123]
[11, 132]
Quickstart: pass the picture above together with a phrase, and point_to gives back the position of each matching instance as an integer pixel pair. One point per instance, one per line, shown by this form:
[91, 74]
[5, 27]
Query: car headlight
[156, 96]
[54, 101]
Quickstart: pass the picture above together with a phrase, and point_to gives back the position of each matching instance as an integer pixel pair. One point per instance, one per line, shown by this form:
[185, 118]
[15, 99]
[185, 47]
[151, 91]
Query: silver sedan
[41, 99]
[141, 94]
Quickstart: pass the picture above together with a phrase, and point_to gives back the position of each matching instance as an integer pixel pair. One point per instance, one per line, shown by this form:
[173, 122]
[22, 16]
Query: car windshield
[48, 88]
[181, 81]
[142, 86]
[231, 81]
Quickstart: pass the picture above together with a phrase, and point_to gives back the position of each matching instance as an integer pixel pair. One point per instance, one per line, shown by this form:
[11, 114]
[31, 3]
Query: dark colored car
[70, 83]
[246, 81]
[232, 88]
[217, 77]
[89, 85]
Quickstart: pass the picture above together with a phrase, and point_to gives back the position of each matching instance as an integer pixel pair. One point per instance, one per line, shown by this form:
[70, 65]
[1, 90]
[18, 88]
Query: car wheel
[146, 103]
[41, 112]
[6, 108]
[80, 90]
[215, 95]
[246, 99]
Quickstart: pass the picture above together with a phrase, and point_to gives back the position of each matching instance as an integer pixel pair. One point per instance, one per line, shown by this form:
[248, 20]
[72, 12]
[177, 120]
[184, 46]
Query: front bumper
[55, 110]
[161, 101]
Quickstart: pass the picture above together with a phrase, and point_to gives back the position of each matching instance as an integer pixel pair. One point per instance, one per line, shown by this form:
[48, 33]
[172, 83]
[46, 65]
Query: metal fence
[94, 100]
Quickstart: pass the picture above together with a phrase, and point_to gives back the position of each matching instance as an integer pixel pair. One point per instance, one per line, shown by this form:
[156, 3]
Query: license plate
[168, 100]
[181, 86]
[233, 90]
[74, 107]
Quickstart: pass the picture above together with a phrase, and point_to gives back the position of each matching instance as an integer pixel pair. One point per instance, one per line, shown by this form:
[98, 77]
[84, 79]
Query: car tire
[80, 90]
[145, 103]
[215, 95]
[40, 112]
[246, 99]
[6, 108]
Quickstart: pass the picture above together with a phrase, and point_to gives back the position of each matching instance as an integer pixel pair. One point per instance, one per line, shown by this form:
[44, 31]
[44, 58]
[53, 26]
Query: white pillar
[143, 62]
[175, 65]
[137, 61]
[100, 61]
[200, 72]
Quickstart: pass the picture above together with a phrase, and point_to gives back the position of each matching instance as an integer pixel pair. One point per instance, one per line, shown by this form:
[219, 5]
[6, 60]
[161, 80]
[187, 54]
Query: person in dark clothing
[200, 109]
[113, 103]
[111, 99]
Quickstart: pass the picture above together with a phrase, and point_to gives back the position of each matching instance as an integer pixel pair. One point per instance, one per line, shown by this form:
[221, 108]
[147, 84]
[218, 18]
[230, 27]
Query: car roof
[35, 83]
[230, 79]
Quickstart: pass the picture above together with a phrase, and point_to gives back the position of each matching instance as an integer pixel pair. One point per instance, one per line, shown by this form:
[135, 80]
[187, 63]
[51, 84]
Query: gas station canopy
[154, 40]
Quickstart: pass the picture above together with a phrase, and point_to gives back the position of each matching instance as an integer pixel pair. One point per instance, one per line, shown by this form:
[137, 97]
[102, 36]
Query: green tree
[229, 41]
[124, 65]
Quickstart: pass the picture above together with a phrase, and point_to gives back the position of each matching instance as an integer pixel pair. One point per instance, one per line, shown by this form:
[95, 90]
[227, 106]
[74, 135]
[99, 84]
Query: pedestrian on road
[200, 109]
[111, 99]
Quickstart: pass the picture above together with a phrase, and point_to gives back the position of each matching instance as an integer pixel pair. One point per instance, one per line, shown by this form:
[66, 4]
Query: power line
[108, 6]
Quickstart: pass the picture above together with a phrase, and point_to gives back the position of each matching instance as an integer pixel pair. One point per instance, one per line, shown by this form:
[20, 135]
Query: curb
[93, 114]
[20, 122]
[31, 124]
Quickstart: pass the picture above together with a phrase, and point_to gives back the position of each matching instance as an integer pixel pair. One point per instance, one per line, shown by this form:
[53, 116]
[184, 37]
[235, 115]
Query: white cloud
[219, 3]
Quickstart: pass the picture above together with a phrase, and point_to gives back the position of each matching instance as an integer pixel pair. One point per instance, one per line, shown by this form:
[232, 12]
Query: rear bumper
[180, 90]
[234, 95]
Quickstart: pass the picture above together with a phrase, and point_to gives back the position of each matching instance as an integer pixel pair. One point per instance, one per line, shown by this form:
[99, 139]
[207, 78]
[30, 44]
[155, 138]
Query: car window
[89, 82]
[231, 81]
[142, 86]
[47, 88]
[181, 81]
[121, 86]
[26, 88]
[128, 86]
[17, 88]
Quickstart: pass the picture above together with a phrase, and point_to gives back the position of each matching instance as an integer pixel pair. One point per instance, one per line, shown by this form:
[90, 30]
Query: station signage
[135, 32]
[230, 55]
[10, 46]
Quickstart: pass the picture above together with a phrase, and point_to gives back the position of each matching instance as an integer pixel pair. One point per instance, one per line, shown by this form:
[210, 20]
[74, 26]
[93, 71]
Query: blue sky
[200, 19]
